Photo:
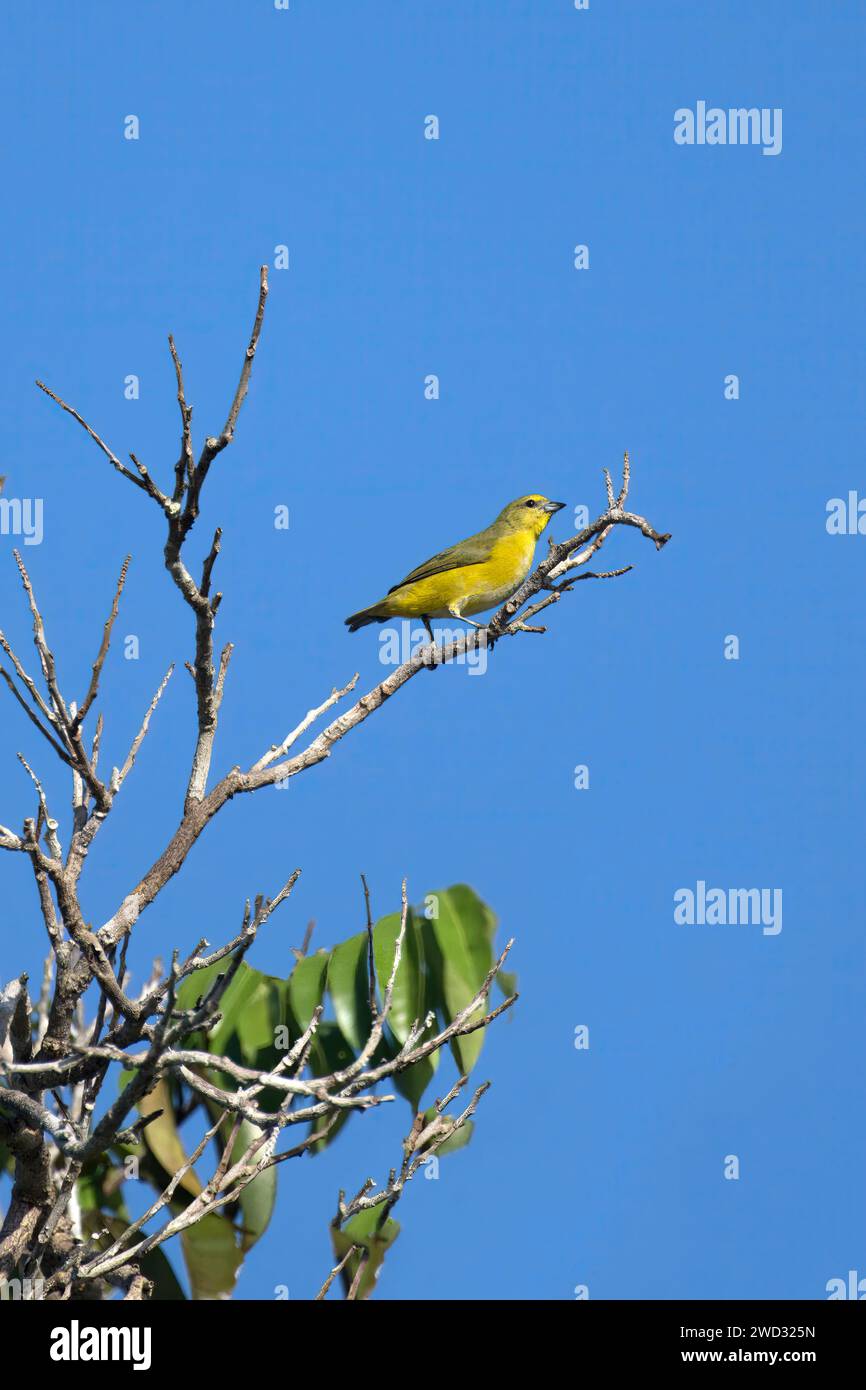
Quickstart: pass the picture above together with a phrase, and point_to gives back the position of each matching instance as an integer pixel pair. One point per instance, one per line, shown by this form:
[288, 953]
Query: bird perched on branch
[471, 576]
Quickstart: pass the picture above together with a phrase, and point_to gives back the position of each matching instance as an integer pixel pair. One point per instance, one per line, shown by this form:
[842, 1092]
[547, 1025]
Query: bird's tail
[361, 619]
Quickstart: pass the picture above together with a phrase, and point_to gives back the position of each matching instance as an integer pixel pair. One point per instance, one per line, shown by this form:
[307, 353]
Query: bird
[471, 576]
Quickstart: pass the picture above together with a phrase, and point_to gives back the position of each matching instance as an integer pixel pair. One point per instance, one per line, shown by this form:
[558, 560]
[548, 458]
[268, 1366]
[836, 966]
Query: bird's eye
[530, 502]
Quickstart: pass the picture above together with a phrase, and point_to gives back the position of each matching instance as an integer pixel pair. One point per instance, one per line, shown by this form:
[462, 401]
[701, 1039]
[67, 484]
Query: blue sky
[408, 257]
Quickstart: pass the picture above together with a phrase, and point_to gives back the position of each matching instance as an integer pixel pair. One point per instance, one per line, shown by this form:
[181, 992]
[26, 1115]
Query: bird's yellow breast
[473, 588]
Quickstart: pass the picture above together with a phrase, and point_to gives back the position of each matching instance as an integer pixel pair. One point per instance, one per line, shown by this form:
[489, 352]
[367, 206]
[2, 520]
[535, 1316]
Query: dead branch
[147, 1034]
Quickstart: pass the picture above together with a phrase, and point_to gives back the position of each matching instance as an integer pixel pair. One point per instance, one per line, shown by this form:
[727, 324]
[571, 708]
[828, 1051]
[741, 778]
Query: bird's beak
[553, 506]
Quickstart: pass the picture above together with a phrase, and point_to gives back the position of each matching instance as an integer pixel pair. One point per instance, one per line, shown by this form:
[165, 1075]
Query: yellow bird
[471, 576]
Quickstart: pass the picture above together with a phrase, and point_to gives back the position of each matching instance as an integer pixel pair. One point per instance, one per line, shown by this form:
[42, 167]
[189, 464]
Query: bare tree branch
[112, 458]
[98, 664]
[52, 1073]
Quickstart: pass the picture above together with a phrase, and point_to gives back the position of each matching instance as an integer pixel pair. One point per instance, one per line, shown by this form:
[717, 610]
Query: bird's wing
[473, 551]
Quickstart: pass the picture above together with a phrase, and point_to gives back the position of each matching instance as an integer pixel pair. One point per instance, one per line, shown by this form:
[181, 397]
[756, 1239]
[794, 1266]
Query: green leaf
[255, 1039]
[234, 1005]
[458, 1140]
[349, 987]
[413, 1082]
[88, 1190]
[213, 1257]
[408, 998]
[194, 989]
[154, 1265]
[257, 1199]
[307, 988]
[330, 1052]
[100, 1187]
[263, 1014]
[459, 955]
[467, 906]
[252, 1005]
[467, 901]
[196, 985]
[411, 998]
[362, 1230]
